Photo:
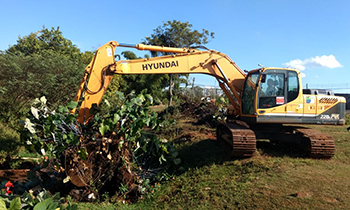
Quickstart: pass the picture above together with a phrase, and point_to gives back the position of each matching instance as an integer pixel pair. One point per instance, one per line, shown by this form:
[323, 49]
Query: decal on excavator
[310, 99]
[280, 100]
[160, 65]
[327, 117]
[109, 52]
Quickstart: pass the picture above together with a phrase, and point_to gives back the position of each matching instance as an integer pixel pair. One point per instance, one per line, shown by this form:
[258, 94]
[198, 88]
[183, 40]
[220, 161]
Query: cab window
[271, 90]
[293, 86]
[249, 91]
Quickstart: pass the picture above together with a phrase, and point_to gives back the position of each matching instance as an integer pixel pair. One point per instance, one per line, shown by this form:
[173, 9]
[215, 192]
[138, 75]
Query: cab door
[272, 97]
[294, 108]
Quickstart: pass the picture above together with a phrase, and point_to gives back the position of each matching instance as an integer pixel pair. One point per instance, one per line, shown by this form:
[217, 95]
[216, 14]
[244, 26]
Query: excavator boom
[103, 66]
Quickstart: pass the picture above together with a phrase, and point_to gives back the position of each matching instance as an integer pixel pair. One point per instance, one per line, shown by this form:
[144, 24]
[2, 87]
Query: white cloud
[323, 61]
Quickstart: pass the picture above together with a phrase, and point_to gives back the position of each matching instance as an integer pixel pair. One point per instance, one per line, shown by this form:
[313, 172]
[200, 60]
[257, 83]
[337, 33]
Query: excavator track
[320, 145]
[238, 140]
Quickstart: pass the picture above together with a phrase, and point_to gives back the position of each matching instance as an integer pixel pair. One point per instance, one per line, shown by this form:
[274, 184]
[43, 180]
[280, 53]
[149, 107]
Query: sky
[310, 35]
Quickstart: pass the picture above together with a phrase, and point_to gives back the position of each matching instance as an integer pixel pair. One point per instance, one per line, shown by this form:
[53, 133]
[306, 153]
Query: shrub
[9, 140]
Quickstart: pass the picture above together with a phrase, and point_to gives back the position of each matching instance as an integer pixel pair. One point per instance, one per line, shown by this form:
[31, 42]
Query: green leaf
[15, 204]
[116, 118]
[62, 109]
[120, 145]
[149, 98]
[72, 105]
[36, 101]
[35, 112]
[29, 125]
[53, 206]
[174, 154]
[147, 120]
[56, 197]
[141, 98]
[43, 100]
[161, 159]
[107, 102]
[120, 95]
[2, 204]
[72, 207]
[27, 197]
[164, 149]
[83, 154]
[43, 205]
[104, 128]
[177, 161]
[65, 180]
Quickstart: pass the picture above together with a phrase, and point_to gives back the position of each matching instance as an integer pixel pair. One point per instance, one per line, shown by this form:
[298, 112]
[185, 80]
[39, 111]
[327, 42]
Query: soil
[16, 175]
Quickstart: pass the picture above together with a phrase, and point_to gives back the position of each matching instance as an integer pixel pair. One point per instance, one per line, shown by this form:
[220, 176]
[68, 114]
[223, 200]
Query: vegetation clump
[117, 152]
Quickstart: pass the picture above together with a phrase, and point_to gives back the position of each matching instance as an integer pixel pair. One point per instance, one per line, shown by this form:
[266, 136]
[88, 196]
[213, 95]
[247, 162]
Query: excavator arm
[103, 66]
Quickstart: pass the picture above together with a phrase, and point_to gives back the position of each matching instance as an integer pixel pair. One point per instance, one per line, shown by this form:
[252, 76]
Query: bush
[347, 119]
[9, 141]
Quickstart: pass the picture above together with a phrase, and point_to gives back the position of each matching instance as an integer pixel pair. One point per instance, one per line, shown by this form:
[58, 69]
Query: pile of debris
[115, 153]
[204, 112]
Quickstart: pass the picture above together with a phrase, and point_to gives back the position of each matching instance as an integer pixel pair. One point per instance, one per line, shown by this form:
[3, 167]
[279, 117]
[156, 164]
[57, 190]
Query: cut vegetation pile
[116, 153]
[205, 112]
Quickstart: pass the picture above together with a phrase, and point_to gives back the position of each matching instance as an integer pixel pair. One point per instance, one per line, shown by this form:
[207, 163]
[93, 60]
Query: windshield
[249, 93]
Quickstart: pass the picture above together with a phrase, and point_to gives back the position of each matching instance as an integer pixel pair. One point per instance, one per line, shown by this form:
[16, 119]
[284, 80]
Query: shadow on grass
[207, 152]
[201, 153]
[280, 149]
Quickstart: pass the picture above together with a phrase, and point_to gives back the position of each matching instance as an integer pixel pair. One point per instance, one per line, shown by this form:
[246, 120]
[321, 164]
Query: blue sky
[311, 35]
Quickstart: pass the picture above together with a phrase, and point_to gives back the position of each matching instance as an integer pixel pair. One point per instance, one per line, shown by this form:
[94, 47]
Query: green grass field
[278, 177]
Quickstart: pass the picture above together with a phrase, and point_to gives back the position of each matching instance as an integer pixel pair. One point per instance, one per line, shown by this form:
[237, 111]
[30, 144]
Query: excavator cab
[275, 95]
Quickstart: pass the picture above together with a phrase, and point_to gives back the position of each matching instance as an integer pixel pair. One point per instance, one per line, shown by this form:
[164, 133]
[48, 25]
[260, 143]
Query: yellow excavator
[266, 101]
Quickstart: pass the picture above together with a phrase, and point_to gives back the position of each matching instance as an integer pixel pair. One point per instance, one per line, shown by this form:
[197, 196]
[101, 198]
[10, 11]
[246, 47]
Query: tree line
[45, 63]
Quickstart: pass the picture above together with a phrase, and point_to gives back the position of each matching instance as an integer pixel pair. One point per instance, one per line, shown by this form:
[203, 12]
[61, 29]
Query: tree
[176, 34]
[42, 63]
[42, 41]
[139, 82]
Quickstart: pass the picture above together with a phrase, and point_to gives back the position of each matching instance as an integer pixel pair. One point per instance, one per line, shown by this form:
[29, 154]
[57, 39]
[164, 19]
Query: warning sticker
[109, 52]
[280, 100]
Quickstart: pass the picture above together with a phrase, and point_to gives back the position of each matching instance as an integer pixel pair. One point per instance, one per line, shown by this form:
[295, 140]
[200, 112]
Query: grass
[158, 108]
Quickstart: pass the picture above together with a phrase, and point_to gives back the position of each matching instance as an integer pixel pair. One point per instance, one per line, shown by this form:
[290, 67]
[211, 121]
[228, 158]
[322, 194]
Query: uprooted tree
[116, 152]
